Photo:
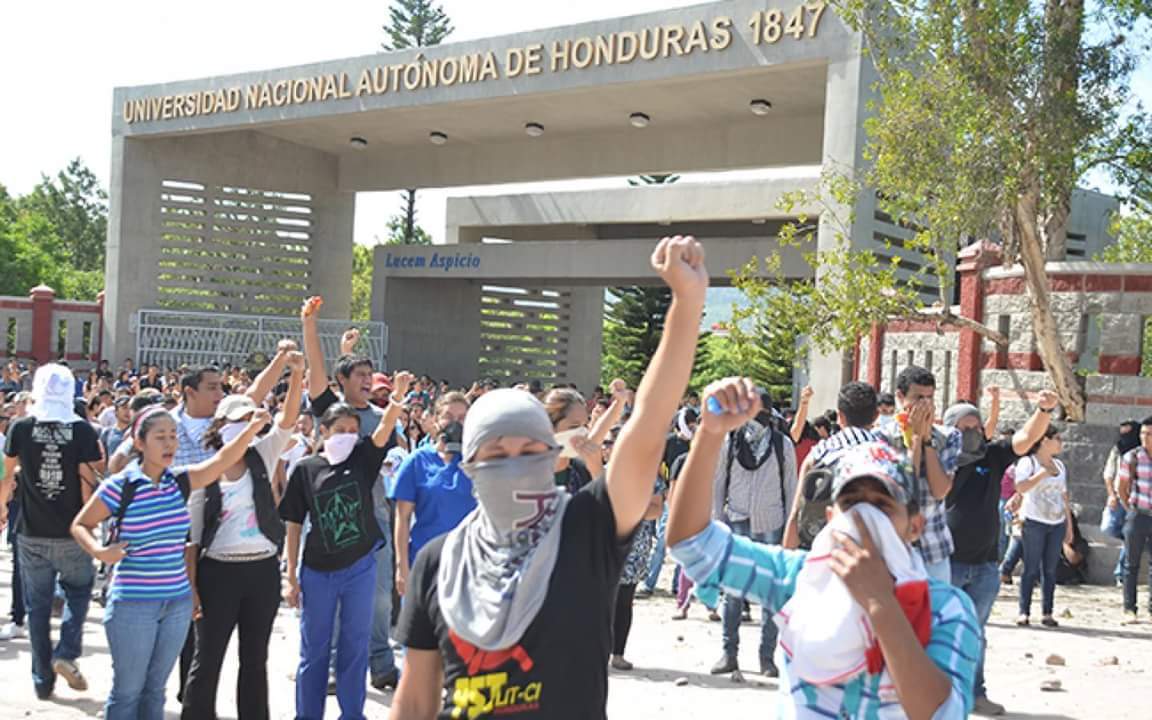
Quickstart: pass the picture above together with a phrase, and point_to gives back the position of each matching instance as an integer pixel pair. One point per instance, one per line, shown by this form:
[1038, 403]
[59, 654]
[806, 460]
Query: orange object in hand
[313, 305]
[902, 421]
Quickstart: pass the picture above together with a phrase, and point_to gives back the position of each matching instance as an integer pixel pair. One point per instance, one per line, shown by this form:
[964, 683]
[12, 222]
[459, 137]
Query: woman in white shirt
[1043, 482]
[237, 535]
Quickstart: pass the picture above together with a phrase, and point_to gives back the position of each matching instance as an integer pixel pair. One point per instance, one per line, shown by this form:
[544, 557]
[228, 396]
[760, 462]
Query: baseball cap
[380, 381]
[879, 461]
[235, 407]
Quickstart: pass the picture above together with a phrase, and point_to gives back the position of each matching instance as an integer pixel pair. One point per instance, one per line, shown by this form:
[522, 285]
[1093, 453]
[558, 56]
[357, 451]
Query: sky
[59, 62]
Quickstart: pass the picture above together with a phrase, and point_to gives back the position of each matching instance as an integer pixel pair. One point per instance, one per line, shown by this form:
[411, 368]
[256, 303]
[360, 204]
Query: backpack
[267, 519]
[777, 450]
[129, 492]
[815, 499]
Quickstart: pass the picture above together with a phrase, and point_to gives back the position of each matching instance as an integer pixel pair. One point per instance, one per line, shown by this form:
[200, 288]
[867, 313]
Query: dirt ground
[1107, 670]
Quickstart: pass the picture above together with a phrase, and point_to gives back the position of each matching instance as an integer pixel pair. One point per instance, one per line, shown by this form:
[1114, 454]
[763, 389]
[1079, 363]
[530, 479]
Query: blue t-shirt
[441, 492]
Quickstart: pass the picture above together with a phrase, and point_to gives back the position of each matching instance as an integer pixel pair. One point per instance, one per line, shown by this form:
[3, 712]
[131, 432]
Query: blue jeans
[657, 553]
[1114, 527]
[351, 592]
[1005, 529]
[1012, 557]
[1137, 537]
[734, 606]
[145, 638]
[1041, 557]
[940, 570]
[43, 562]
[982, 583]
[381, 659]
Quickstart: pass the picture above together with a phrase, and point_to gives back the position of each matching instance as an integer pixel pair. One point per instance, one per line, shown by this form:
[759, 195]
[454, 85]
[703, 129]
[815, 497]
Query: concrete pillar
[43, 334]
[219, 162]
[586, 337]
[847, 90]
[972, 262]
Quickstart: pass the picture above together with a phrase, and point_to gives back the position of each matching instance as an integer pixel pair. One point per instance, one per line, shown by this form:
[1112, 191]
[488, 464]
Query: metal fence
[172, 338]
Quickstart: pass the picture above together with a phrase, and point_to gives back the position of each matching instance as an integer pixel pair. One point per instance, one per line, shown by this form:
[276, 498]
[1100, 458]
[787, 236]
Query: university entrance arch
[236, 194]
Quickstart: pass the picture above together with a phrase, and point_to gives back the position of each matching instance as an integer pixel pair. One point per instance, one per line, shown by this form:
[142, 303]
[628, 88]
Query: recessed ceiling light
[437, 138]
[357, 142]
[760, 107]
[534, 129]
[759, 221]
[639, 120]
[665, 223]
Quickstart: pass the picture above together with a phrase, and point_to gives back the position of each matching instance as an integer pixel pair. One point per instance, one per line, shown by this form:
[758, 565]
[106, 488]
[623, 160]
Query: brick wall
[42, 328]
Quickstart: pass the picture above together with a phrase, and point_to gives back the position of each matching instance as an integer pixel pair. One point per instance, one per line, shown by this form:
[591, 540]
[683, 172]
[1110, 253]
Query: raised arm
[1039, 472]
[1037, 425]
[791, 540]
[205, 473]
[608, 420]
[401, 381]
[270, 375]
[801, 418]
[313, 352]
[993, 422]
[636, 458]
[291, 412]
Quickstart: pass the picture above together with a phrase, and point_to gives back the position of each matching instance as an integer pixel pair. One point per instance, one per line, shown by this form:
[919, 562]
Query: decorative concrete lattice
[172, 338]
[524, 333]
[233, 249]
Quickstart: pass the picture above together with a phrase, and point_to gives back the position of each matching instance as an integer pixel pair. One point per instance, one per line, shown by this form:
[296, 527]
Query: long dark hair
[144, 421]
[1129, 440]
[337, 411]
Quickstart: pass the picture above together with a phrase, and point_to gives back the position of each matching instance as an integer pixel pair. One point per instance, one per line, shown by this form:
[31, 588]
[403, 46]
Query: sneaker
[68, 670]
[12, 631]
[713, 616]
[331, 685]
[725, 665]
[1130, 618]
[984, 706]
[643, 593]
[386, 681]
[769, 669]
[1049, 621]
[1005, 579]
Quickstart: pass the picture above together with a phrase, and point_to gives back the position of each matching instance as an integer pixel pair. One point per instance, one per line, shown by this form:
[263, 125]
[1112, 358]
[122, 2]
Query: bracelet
[392, 399]
[1049, 410]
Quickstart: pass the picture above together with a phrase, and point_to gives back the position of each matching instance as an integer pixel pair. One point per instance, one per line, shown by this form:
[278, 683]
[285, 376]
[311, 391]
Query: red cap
[380, 381]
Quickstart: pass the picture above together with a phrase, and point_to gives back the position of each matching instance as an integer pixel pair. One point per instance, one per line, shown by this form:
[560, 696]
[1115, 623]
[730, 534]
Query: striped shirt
[827, 451]
[155, 528]
[935, 543]
[720, 561]
[1140, 495]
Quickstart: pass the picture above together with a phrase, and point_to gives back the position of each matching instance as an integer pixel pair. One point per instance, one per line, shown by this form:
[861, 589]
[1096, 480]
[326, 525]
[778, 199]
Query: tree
[726, 356]
[402, 227]
[77, 207]
[413, 24]
[1134, 245]
[361, 282]
[988, 113]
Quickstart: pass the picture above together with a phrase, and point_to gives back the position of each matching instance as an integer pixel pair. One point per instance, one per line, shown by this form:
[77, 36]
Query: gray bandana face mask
[515, 494]
[974, 446]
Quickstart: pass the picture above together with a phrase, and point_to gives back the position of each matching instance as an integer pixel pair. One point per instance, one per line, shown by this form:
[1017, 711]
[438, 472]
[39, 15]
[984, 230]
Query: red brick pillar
[971, 263]
[876, 356]
[43, 299]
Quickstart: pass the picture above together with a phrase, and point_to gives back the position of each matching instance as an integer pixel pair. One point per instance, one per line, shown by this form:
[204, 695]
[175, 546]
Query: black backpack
[128, 492]
[777, 450]
[815, 499]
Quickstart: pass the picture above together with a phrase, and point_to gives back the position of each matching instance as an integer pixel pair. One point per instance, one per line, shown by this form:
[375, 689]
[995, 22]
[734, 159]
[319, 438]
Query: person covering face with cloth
[510, 613]
[864, 631]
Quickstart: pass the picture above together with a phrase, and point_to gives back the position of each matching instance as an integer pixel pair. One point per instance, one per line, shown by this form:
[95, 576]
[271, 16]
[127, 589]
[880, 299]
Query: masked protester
[865, 631]
[520, 594]
[973, 510]
[332, 490]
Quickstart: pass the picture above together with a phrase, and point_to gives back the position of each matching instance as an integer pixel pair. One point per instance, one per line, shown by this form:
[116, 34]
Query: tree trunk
[1056, 228]
[1044, 326]
[410, 217]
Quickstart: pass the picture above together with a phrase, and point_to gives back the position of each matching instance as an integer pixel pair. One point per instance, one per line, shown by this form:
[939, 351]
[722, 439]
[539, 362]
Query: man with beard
[755, 476]
[972, 507]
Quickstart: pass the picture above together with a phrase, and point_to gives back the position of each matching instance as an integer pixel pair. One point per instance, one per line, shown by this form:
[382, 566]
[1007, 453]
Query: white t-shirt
[1045, 502]
[108, 417]
[238, 532]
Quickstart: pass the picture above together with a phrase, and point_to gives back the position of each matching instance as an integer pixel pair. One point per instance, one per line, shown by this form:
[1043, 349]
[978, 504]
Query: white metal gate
[171, 339]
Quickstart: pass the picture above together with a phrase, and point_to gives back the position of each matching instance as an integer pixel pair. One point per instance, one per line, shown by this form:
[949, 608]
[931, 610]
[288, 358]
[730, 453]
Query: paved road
[665, 651]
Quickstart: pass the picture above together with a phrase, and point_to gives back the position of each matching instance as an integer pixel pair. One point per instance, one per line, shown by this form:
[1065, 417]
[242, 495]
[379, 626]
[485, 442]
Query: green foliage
[361, 282]
[633, 324]
[415, 23]
[1133, 239]
[402, 227]
[55, 236]
[725, 356]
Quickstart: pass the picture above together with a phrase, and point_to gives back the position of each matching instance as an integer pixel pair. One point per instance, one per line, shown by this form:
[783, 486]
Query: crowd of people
[480, 551]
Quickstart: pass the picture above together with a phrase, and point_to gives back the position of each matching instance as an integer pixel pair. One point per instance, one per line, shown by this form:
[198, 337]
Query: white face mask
[568, 439]
[339, 446]
[231, 431]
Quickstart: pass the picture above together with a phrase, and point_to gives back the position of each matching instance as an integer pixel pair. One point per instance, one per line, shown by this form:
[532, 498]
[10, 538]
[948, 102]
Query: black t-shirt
[339, 500]
[973, 505]
[674, 447]
[559, 669]
[49, 486]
